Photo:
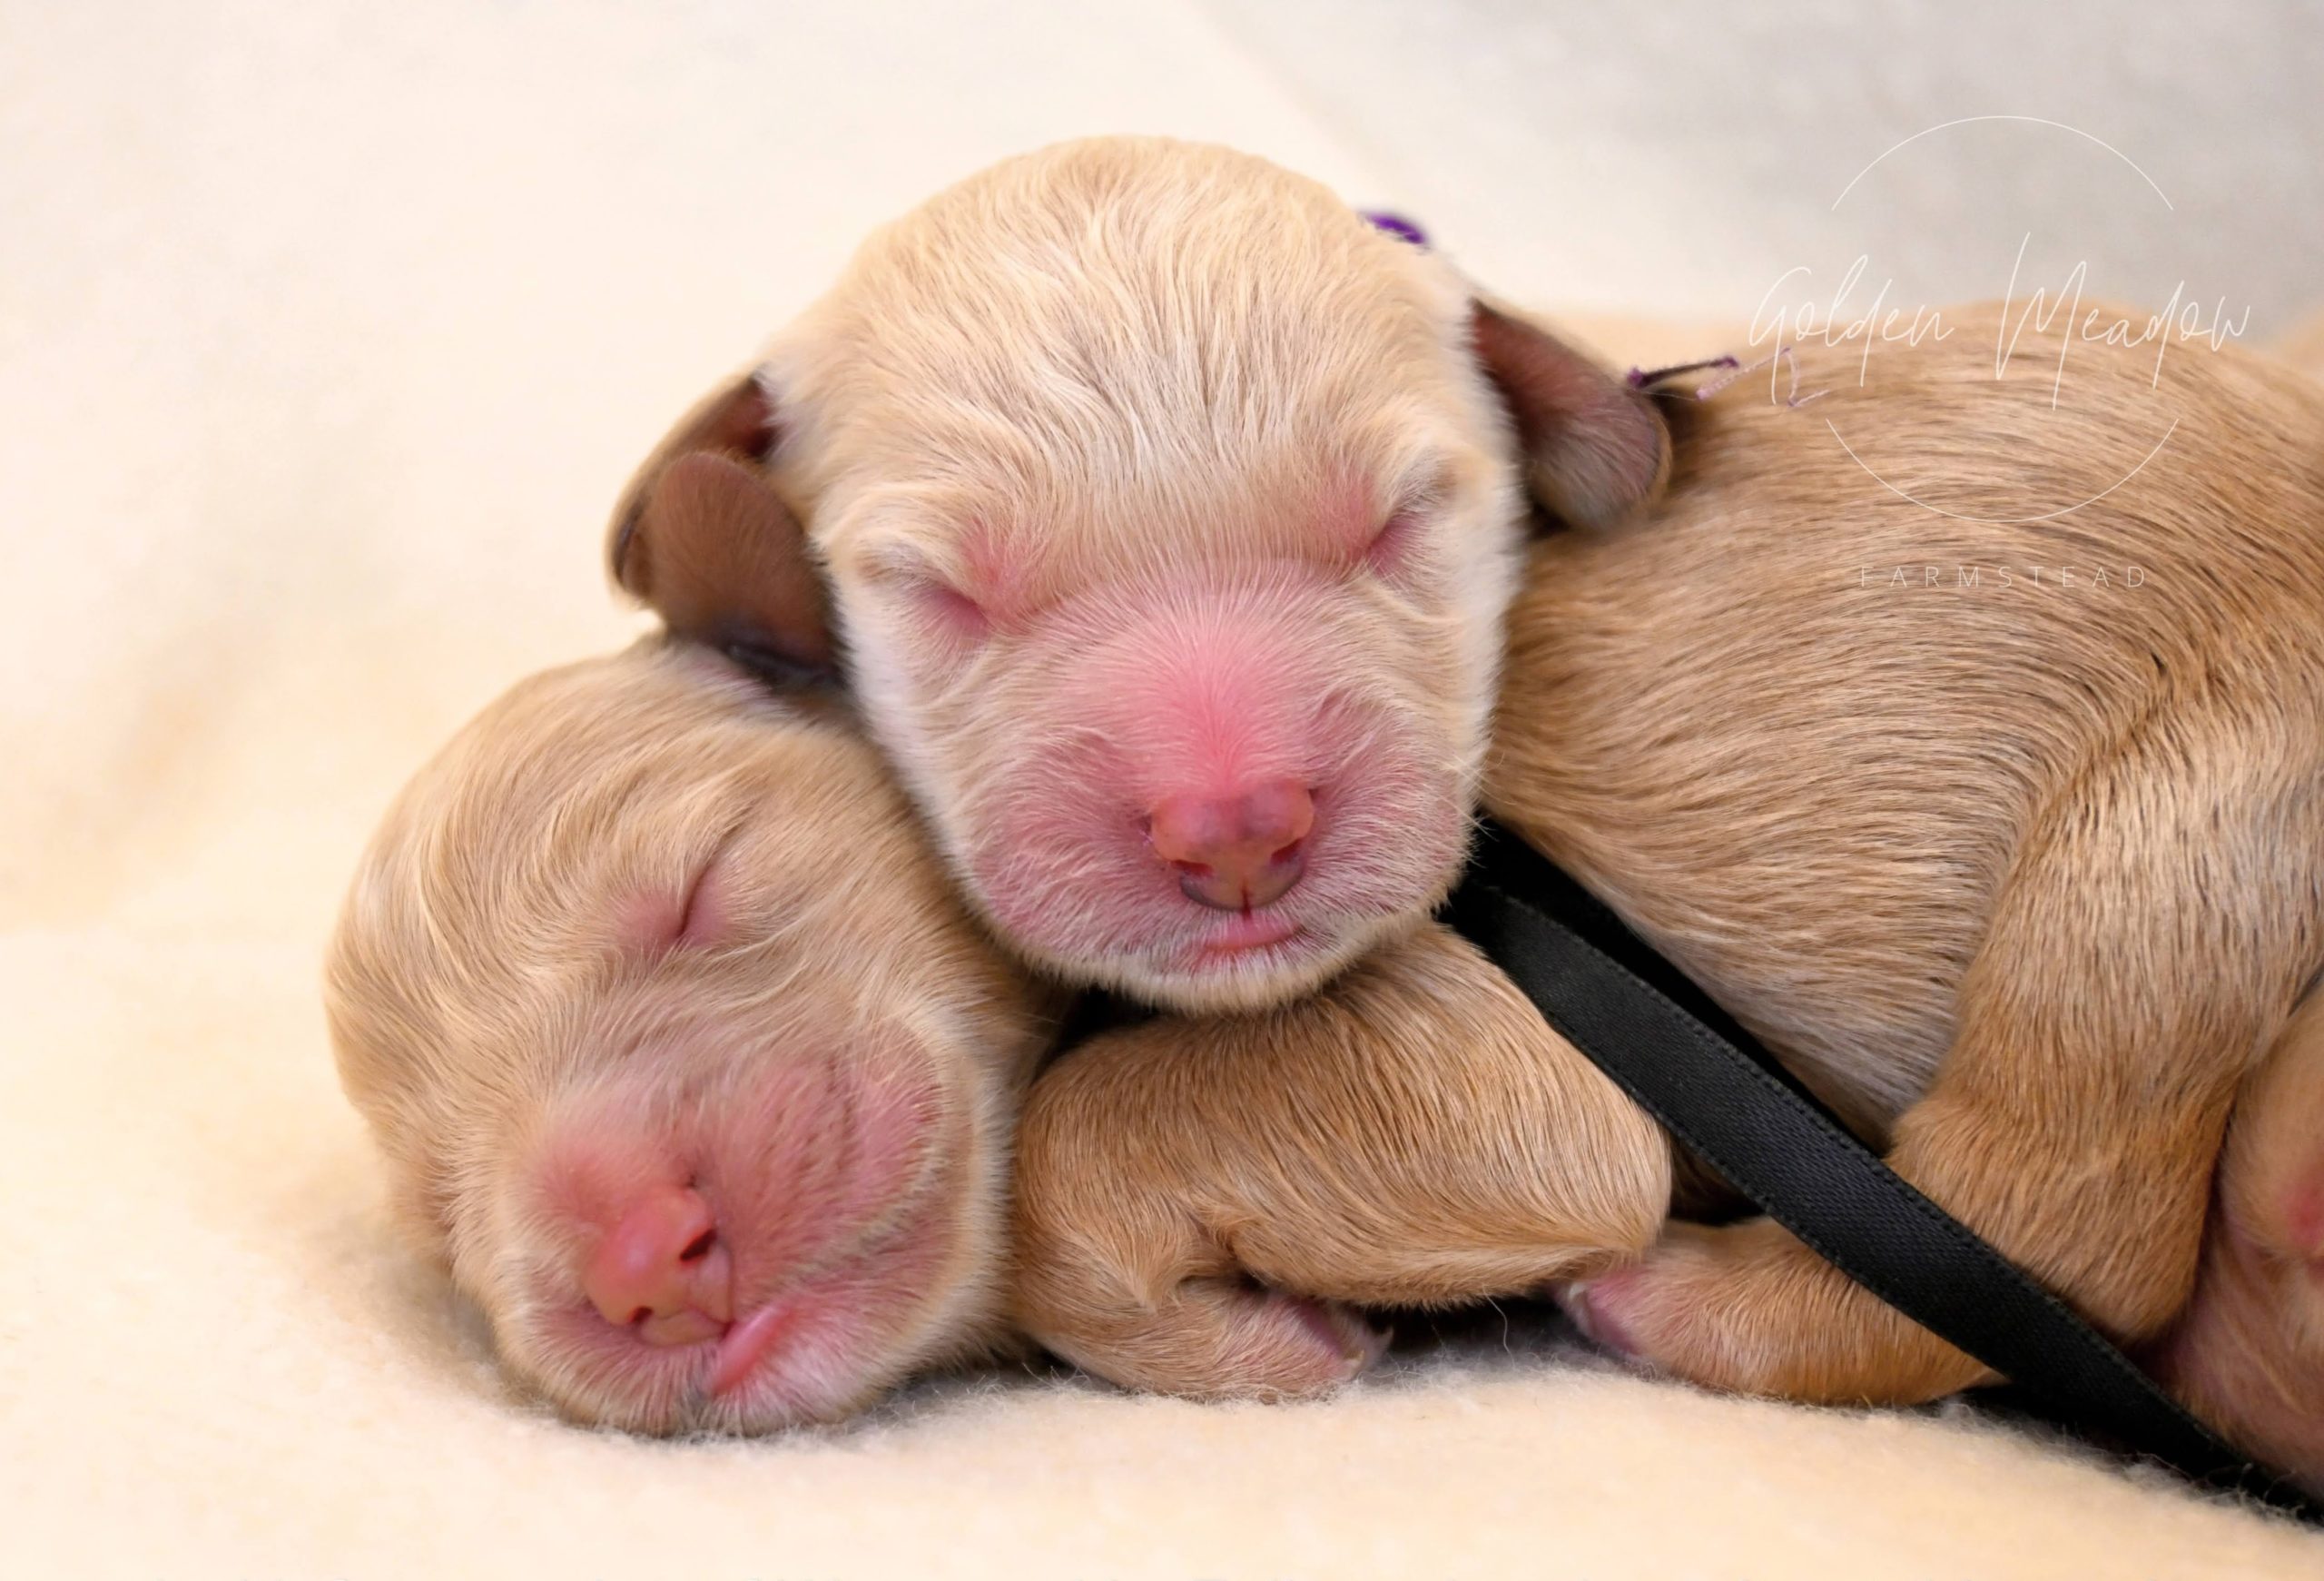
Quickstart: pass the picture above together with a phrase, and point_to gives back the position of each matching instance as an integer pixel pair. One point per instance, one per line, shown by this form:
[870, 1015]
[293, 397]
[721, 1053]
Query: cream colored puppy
[684, 1060]
[1163, 511]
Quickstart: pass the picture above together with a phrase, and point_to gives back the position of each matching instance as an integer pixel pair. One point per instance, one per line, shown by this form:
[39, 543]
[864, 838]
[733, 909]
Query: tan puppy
[684, 1060]
[2019, 871]
[1167, 511]
[2021, 876]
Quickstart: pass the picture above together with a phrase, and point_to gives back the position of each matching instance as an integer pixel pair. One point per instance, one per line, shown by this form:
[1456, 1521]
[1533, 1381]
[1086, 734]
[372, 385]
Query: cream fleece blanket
[326, 334]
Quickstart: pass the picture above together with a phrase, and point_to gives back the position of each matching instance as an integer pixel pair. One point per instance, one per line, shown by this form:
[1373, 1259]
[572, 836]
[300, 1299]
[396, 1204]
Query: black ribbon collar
[1661, 1040]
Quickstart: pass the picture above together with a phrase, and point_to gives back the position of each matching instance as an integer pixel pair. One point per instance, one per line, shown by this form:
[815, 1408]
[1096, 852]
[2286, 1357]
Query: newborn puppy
[684, 1060]
[1166, 510]
[1961, 736]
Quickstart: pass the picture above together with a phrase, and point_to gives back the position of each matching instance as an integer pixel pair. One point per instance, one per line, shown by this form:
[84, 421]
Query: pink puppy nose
[661, 1270]
[1236, 853]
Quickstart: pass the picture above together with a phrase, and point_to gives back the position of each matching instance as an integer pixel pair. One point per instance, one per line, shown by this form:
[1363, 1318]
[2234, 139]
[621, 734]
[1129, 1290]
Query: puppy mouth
[1245, 935]
[1251, 963]
[735, 1351]
[748, 1343]
[808, 1352]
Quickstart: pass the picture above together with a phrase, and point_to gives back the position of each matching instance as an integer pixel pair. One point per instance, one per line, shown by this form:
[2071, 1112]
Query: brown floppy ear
[1596, 450]
[701, 538]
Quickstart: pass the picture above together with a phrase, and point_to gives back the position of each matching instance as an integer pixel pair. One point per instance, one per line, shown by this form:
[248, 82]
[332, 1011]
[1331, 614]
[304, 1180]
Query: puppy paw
[1592, 1305]
[1663, 1312]
[1748, 1309]
[1228, 1339]
[1265, 1344]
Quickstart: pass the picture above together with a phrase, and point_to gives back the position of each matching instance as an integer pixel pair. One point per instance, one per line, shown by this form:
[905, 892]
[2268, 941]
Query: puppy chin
[1246, 981]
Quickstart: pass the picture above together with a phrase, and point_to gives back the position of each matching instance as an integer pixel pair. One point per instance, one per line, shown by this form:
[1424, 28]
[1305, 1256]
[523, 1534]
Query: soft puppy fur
[1993, 809]
[1163, 511]
[684, 1061]
[1202, 1204]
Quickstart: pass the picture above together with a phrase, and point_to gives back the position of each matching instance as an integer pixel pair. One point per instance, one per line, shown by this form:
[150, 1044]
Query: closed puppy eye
[934, 597]
[956, 613]
[1398, 548]
[698, 914]
[702, 914]
[1390, 552]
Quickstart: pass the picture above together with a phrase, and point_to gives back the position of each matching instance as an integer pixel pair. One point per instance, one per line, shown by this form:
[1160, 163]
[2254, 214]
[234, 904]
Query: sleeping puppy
[1961, 734]
[2017, 870]
[1165, 511]
[684, 1060]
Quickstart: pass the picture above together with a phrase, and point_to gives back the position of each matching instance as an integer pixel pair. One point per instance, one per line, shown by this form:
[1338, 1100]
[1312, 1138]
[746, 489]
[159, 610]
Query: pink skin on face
[751, 1249]
[1212, 785]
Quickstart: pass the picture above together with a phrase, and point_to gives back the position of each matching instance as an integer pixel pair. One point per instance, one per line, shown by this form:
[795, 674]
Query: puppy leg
[1196, 1198]
[2150, 942]
[2248, 1354]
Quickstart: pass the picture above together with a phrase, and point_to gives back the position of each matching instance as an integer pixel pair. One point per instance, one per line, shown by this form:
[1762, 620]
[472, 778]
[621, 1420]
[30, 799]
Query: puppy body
[2022, 878]
[644, 942]
[2022, 874]
[1165, 511]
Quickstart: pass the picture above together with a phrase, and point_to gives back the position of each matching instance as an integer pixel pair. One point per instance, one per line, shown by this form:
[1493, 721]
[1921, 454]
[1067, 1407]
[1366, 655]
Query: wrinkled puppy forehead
[1089, 319]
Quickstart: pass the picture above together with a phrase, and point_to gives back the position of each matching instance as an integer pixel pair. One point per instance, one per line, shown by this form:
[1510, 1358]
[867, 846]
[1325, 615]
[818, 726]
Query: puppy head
[683, 1058]
[1167, 510]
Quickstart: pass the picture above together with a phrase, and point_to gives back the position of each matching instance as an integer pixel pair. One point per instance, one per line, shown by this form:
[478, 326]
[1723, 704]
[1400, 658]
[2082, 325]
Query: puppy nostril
[1235, 852]
[659, 1267]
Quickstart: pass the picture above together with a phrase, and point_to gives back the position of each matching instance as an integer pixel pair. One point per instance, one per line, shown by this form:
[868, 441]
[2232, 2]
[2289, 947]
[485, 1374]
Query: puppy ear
[1596, 450]
[701, 538]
